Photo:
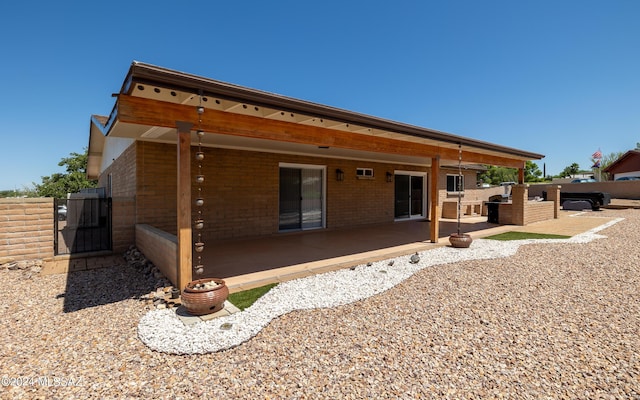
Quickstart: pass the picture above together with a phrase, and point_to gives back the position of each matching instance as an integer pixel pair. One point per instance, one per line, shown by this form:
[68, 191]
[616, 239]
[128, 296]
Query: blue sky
[557, 77]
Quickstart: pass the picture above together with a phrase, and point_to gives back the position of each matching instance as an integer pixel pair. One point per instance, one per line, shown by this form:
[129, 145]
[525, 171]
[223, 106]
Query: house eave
[142, 73]
[96, 146]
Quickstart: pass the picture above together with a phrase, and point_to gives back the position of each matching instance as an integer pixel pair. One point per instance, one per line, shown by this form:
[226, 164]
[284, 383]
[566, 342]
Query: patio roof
[153, 98]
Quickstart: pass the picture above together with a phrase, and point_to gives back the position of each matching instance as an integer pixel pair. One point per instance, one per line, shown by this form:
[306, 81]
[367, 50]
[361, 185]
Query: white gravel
[161, 330]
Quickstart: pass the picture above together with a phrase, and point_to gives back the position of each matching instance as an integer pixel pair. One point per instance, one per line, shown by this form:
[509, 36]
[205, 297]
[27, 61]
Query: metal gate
[82, 225]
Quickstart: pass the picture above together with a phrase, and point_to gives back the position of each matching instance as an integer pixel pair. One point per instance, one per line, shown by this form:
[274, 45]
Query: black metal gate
[82, 225]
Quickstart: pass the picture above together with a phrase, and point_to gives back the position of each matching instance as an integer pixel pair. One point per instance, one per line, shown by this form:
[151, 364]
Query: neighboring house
[628, 165]
[272, 164]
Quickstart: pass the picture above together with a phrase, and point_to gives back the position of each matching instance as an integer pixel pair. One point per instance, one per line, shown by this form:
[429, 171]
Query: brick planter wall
[160, 247]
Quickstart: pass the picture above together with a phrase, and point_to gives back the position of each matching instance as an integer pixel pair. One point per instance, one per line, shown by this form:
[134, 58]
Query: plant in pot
[458, 239]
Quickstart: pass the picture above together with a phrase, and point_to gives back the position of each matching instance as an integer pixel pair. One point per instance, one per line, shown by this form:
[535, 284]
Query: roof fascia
[150, 74]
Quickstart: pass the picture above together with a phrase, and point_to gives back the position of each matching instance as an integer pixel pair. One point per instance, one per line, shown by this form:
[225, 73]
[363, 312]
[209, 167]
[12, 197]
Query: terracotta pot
[462, 240]
[207, 300]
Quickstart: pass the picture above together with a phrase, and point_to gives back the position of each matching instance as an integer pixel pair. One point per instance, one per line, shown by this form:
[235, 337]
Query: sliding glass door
[410, 199]
[301, 197]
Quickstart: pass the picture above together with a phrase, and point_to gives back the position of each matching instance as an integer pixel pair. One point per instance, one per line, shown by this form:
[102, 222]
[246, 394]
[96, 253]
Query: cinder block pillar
[553, 194]
[519, 200]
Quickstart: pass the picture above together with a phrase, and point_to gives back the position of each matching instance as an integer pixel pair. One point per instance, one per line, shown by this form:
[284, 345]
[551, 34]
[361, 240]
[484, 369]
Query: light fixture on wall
[339, 175]
[389, 177]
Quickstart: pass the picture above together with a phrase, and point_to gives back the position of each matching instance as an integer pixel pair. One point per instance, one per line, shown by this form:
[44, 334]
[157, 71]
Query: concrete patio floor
[248, 263]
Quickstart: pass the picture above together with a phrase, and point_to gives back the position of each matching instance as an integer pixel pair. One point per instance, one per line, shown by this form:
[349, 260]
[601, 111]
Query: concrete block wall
[617, 189]
[26, 229]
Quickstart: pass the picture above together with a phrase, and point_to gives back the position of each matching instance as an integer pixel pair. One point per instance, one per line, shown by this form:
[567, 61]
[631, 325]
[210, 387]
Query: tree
[494, 175]
[75, 178]
[607, 160]
[532, 173]
[24, 192]
[569, 171]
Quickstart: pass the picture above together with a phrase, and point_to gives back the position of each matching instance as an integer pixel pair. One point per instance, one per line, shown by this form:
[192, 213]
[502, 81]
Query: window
[364, 173]
[455, 183]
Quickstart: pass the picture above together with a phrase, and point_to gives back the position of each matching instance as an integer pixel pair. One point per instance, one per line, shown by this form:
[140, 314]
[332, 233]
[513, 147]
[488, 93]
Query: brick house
[272, 164]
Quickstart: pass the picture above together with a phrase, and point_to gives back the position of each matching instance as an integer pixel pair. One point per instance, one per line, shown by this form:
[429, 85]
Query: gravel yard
[557, 320]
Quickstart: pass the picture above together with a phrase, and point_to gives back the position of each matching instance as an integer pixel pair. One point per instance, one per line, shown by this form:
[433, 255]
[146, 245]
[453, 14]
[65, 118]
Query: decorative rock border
[162, 330]
[161, 297]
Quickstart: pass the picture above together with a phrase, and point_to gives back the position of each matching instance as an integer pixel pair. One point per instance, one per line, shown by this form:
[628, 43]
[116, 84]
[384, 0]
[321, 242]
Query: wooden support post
[184, 255]
[521, 175]
[435, 200]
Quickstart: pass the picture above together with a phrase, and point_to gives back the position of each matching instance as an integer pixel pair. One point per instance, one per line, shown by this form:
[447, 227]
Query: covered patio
[248, 263]
[169, 130]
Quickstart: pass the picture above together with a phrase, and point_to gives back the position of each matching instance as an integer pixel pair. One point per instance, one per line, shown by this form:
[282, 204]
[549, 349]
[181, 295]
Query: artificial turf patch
[246, 298]
[525, 235]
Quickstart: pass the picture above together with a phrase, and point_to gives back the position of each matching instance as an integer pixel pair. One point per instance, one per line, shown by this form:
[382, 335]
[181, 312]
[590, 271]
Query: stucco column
[553, 194]
[184, 254]
[434, 224]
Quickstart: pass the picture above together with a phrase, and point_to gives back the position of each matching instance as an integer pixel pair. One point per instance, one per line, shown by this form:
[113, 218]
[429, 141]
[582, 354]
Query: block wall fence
[26, 229]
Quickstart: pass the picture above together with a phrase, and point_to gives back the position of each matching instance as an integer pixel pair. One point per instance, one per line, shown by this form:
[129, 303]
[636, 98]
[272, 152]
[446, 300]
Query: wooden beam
[138, 110]
[434, 223]
[521, 175]
[184, 254]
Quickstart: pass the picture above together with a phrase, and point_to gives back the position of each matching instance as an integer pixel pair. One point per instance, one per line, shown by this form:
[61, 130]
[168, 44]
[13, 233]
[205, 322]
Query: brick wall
[161, 248]
[522, 211]
[156, 185]
[26, 229]
[355, 201]
[505, 214]
[537, 211]
[241, 190]
[123, 193]
[471, 192]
